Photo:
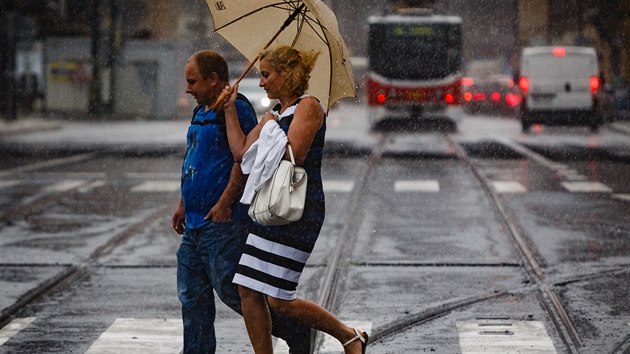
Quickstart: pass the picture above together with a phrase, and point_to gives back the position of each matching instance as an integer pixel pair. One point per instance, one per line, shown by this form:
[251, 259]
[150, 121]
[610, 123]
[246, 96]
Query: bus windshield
[414, 51]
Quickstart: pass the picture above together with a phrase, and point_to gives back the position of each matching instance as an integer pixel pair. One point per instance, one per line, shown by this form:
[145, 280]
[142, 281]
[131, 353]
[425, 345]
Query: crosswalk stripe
[157, 186]
[624, 197]
[504, 336]
[135, 335]
[586, 187]
[13, 328]
[508, 187]
[65, 186]
[91, 186]
[417, 186]
[339, 186]
[7, 184]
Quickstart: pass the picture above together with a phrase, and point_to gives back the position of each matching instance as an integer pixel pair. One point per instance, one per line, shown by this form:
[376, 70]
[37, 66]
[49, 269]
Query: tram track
[546, 290]
[72, 272]
[549, 297]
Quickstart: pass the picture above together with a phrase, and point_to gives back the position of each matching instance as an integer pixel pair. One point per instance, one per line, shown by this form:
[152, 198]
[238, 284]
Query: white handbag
[281, 198]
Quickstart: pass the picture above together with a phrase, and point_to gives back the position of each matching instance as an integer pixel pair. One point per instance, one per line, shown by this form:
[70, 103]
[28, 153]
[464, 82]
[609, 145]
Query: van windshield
[547, 66]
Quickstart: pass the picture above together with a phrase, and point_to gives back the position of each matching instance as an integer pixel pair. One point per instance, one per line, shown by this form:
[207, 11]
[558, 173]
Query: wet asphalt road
[435, 241]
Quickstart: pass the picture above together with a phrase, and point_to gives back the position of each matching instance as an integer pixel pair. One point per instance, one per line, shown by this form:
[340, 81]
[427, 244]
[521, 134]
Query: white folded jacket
[262, 158]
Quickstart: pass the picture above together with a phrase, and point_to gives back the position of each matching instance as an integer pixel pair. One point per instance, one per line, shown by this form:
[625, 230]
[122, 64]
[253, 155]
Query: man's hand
[219, 213]
[179, 219]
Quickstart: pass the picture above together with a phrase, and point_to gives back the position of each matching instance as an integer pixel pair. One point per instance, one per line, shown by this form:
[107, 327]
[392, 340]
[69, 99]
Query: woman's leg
[312, 315]
[257, 319]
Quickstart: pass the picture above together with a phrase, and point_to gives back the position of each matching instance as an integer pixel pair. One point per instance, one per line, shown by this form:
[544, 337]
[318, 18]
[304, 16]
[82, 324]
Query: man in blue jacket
[213, 224]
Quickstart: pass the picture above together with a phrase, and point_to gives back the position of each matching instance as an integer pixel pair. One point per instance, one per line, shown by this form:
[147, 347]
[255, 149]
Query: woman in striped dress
[274, 256]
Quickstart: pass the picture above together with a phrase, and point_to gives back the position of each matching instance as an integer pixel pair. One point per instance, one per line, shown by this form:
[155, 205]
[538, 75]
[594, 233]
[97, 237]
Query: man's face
[201, 89]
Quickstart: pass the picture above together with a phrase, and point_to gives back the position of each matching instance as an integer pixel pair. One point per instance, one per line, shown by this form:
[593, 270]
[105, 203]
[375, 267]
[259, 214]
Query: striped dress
[274, 256]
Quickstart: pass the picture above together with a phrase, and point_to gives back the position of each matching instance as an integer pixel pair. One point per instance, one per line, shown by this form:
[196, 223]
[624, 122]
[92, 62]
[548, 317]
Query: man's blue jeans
[206, 260]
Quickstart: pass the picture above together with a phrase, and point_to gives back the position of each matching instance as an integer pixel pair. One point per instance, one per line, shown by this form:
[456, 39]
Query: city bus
[414, 64]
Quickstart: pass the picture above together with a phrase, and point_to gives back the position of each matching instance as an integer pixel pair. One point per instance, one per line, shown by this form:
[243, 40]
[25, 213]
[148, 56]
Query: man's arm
[222, 210]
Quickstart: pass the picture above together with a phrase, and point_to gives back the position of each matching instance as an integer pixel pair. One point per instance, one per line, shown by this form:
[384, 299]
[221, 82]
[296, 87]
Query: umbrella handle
[218, 103]
[216, 106]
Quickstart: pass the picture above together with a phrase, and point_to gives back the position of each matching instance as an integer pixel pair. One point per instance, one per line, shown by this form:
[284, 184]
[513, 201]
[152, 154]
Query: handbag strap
[291, 153]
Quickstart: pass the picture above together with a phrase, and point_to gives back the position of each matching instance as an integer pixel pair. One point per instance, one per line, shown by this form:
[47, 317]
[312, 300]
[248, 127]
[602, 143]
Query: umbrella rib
[276, 5]
[310, 24]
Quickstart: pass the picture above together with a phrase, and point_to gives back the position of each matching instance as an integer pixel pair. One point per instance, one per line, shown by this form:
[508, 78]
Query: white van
[559, 86]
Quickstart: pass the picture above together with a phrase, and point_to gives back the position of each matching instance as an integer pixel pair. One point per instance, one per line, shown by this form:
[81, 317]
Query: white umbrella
[253, 25]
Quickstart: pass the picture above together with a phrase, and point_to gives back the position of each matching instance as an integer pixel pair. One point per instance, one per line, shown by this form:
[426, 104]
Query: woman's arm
[307, 119]
[238, 141]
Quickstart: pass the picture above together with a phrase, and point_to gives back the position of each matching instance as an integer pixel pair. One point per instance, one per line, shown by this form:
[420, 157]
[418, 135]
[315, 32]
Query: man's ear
[214, 78]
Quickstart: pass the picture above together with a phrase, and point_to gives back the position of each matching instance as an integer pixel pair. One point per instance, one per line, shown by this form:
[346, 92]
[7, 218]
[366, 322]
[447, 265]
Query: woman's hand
[267, 117]
[232, 93]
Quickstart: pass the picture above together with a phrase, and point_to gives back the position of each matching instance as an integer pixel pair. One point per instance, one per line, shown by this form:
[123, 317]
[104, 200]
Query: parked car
[560, 86]
[256, 95]
[493, 94]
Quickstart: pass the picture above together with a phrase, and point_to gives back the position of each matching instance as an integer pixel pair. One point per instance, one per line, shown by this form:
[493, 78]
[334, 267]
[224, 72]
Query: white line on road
[504, 336]
[48, 163]
[13, 328]
[91, 186]
[135, 335]
[157, 186]
[65, 186]
[154, 175]
[10, 183]
[586, 187]
[417, 186]
[338, 186]
[508, 187]
[624, 197]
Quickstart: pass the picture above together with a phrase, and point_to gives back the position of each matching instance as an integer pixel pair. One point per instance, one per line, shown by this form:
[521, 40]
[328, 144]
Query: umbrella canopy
[251, 25]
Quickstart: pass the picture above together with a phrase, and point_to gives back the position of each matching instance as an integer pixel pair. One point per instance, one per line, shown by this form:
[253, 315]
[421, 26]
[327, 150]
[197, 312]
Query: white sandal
[362, 336]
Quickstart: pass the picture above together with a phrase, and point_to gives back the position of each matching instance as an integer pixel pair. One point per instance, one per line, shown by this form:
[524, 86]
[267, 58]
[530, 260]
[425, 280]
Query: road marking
[135, 335]
[504, 336]
[157, 186]
[338, 186]
[91, 186]
[48, 164]
[624, 197]
[508, 187]
[65, 186]
[586, 187]
[154, 175]
[13, 328]
[7, 184]
[417, 186]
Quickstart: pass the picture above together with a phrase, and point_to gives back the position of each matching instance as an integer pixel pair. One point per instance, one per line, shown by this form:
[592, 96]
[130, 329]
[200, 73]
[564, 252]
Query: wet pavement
[431, 256]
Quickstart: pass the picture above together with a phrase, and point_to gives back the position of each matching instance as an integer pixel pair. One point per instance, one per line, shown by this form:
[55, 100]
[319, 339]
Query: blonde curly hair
[294, 65]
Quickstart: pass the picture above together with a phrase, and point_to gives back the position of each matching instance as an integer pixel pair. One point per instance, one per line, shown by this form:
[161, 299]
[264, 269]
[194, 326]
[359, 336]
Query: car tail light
[449, 98]
[468, 96]
[523, 83]
[512, 99]
[467, 81]
[559, 52]
[495, 97]
[380, 98]
[594, 84]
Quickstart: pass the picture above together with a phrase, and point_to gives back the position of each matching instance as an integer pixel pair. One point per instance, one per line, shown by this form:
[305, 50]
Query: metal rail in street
[549, 297]
[73, 272]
